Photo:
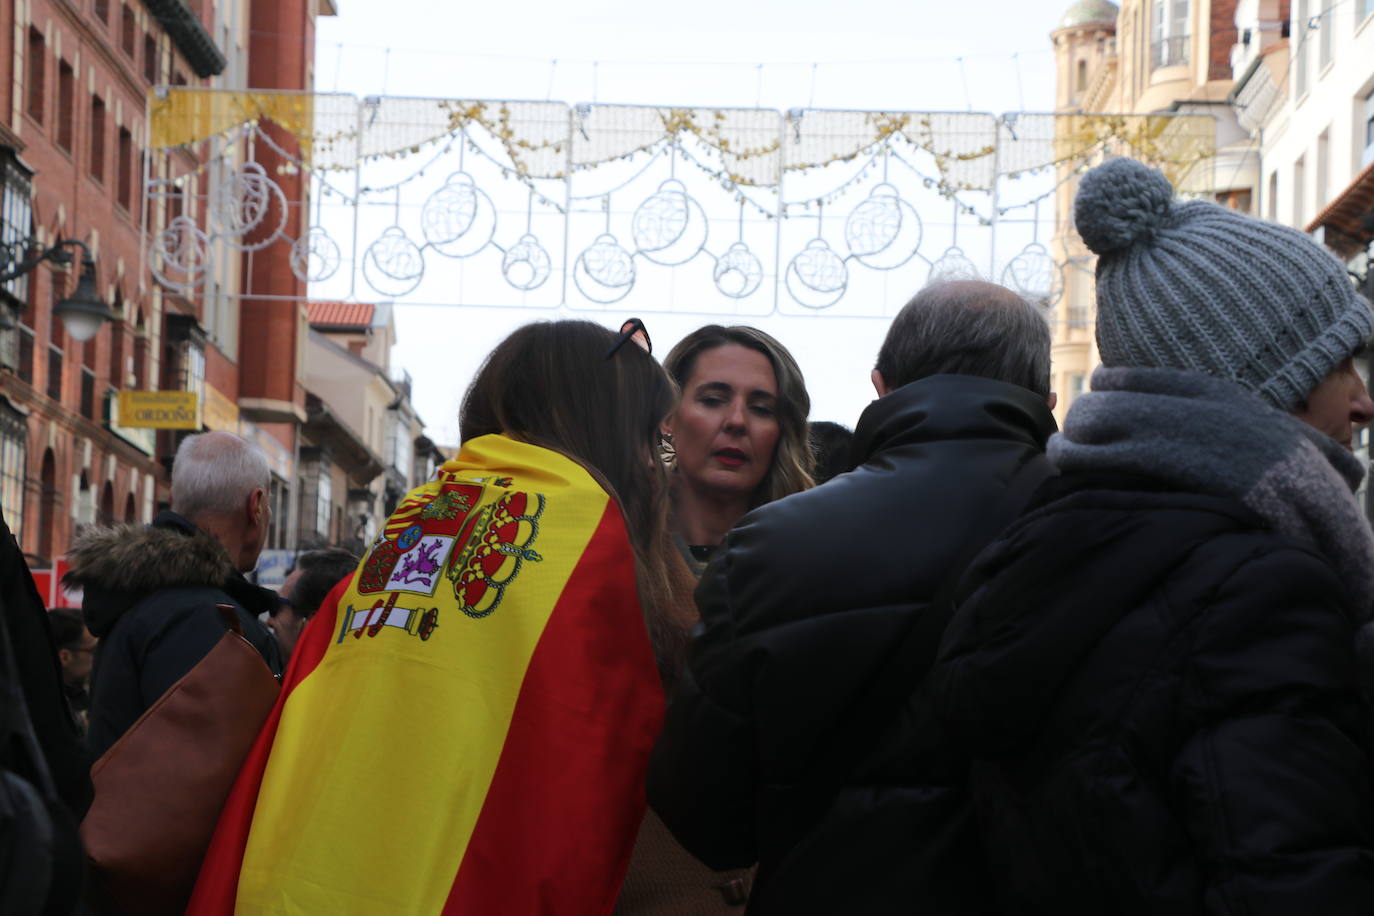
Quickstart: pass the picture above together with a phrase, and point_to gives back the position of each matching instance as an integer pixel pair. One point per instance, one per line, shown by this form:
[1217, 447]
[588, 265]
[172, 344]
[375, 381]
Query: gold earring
[666, 453]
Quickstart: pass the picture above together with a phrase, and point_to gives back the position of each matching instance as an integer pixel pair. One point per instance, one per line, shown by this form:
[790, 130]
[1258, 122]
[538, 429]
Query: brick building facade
[75, 79]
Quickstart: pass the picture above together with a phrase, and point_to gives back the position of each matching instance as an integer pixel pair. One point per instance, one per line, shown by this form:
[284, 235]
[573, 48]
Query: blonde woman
[738, 435]
[736, 440]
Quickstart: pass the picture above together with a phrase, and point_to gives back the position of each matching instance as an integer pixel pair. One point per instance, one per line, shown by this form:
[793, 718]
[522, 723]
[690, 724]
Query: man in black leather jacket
[807, 598]
[150, 593]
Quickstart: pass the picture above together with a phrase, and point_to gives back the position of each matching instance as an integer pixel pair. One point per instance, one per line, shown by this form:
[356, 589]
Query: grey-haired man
[151, 592]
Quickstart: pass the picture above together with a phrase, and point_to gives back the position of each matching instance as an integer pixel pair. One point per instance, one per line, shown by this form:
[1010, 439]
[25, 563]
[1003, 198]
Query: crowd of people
[651, 643]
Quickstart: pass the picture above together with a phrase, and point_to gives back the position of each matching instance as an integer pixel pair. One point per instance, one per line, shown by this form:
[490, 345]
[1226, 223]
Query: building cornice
[270, 410]
[186, 31]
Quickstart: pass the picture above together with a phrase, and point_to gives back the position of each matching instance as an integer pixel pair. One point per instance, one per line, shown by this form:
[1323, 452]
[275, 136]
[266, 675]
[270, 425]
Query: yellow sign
[159, 409]
[218, 412]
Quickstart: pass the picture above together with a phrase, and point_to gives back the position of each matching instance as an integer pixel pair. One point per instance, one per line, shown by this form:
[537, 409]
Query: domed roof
[1090, 12]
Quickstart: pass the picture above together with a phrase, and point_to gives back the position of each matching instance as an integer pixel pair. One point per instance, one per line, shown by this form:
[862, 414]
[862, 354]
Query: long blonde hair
[793, 460]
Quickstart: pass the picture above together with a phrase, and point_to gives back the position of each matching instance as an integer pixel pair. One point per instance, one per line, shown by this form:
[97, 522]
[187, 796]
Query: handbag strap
[229, 614]
[906, 665]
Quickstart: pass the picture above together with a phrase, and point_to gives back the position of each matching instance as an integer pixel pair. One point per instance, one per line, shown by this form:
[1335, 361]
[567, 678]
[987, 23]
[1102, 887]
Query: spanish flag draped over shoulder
[466, 722]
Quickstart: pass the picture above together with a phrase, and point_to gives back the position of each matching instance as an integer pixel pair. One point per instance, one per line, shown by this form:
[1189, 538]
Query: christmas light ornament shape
[180, 255]
[738, 272]
[953, 265]
[604, 272]
[669, 227]
[1035, 275]
[883, 231]
[244, 202]
[526, 264]
[459, 219]
[817, 277]
[315, 256]
[393, 265]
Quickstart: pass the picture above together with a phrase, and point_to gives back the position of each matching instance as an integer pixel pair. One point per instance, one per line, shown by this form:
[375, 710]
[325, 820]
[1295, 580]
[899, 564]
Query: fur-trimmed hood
[136, 558]
[121, 565]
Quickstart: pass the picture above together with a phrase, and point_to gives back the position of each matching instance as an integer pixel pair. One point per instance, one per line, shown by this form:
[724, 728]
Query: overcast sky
[861, 54]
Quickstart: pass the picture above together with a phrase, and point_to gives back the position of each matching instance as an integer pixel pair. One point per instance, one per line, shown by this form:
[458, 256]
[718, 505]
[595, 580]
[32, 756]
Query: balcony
[1169, 52]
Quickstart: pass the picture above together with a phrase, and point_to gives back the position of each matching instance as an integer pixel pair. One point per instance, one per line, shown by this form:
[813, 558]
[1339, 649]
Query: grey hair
[214, 473]
[968, 327]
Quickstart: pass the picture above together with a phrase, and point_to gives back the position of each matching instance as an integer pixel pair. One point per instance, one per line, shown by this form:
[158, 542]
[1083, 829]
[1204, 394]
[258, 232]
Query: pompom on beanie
[1194, 286]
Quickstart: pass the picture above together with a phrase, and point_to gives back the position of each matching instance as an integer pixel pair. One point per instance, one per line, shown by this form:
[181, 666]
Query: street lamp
[82, 312]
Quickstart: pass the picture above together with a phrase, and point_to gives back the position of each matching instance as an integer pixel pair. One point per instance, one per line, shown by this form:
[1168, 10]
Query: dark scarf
[1209, 435]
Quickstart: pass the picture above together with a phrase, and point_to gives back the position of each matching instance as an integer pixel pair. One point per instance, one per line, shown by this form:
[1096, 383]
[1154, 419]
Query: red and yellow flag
[465, 723]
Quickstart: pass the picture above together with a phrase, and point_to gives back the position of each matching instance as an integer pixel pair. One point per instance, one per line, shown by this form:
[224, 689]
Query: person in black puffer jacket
[1156, 668]
[151, 592]
[808, 598]
[45, 785]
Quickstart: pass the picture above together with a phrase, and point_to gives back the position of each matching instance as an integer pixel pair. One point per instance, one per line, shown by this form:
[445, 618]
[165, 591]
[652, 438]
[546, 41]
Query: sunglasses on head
[632, 329]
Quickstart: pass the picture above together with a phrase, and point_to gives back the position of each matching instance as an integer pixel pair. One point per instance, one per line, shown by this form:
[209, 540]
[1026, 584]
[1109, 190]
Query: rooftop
[339, 315]
[1090, 12]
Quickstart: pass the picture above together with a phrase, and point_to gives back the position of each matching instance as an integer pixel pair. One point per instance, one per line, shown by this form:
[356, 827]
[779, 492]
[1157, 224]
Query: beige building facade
[1144, 57]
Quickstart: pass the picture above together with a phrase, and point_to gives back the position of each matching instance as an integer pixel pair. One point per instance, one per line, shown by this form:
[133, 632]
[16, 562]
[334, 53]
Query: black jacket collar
[943, 407]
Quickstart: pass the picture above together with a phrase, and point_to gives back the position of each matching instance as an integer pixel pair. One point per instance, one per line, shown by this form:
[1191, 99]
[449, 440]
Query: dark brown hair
[790, 470]
[551, 384]
[320, 571]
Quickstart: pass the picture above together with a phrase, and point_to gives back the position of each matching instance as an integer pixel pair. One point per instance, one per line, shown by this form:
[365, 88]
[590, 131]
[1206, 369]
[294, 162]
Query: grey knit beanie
[1192, 285]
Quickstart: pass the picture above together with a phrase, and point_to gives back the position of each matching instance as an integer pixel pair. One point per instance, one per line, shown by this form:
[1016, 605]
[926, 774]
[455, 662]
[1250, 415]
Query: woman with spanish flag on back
[466, 721]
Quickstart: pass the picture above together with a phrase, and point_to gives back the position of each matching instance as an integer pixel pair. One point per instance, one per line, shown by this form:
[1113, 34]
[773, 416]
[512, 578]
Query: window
[84, 513]
[1272, 206]
[1081, 78]
[1169, 32]
[16, 221]
[102, 11]
[124, 185]
[1300, 55]
[1363, 9]
[47, 507]
[26, 354]
[88, 393]
[128, 30]
[118, 370]
[13, 464]
[66, 105]
[56, 338]
[276, 525]
[1326, 26]
[398, 446]
[1299, 198]
[1323, 168]
[1368, 132]
[324, 499]
[54, 372]
[97, 138]
[37, 68]
[106, 514]
[141, 166]
[195, 370]
[140, 354]
[150, 58]
[1238, 199]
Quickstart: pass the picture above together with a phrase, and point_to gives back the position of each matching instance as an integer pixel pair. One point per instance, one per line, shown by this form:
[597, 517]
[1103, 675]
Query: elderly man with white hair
[151, 592]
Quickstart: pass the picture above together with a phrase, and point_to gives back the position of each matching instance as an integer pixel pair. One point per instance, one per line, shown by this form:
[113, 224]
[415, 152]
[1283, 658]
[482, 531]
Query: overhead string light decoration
[887, 171]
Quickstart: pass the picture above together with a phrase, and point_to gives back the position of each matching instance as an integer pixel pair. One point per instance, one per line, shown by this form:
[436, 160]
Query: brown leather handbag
[160, 788]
